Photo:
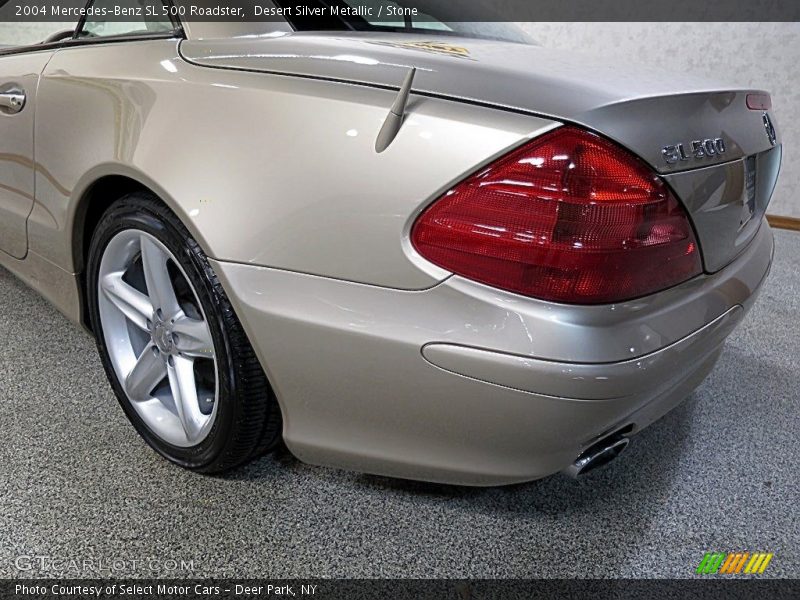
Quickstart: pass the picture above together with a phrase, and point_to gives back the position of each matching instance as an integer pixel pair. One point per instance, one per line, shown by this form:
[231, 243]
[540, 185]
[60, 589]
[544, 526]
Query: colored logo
[434, 47]
[733, 563]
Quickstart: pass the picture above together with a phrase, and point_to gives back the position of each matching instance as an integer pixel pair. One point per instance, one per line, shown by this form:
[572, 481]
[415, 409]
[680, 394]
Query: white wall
[28, 33]
[759, 55]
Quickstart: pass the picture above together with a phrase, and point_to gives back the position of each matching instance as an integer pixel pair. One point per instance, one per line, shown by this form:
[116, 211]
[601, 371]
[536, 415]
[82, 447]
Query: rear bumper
[587, 381]
[465, 384]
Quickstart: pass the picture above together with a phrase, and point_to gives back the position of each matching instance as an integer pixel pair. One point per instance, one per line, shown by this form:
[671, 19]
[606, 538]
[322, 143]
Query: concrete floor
[718, 474]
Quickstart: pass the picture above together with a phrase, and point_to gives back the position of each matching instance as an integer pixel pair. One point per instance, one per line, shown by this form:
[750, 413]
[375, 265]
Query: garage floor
[718, 474]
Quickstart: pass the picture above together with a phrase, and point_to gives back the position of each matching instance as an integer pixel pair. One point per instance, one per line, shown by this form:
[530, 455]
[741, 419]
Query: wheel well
[91, 208]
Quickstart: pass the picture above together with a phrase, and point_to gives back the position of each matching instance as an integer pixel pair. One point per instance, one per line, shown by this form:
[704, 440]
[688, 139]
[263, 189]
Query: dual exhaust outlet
[599, 454]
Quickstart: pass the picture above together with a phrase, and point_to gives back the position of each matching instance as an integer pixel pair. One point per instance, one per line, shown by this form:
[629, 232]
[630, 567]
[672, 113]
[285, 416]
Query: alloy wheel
[158, 338]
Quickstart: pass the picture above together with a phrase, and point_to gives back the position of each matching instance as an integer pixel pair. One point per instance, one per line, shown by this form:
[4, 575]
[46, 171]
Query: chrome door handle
[12, 101]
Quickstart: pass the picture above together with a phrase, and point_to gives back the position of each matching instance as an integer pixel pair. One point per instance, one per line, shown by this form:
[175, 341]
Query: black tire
[248, 421]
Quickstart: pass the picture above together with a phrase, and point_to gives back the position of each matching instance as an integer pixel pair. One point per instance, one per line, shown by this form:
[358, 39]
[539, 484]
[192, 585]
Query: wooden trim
[791, 223]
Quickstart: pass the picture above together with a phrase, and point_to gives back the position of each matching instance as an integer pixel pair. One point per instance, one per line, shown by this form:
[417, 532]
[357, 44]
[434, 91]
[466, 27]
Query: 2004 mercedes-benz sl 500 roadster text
[425, 250]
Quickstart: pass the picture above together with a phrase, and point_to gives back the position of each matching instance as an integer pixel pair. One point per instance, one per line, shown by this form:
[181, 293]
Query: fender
[219, 146]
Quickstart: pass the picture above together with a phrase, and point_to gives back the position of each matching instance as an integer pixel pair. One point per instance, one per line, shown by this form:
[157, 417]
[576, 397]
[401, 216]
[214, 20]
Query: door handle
[12, 101]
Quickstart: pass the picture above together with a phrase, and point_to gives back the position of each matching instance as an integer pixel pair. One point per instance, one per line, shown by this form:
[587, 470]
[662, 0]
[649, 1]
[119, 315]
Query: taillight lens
[759, 101]
[569, 217]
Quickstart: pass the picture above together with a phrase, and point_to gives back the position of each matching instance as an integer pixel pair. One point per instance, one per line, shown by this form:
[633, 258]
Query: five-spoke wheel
[158, 337]
[175, 353]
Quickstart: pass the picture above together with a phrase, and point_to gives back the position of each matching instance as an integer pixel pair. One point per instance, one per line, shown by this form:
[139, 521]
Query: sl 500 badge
[696, 149]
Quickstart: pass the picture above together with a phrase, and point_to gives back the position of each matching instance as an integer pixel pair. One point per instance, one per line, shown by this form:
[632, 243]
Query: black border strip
[705, 587]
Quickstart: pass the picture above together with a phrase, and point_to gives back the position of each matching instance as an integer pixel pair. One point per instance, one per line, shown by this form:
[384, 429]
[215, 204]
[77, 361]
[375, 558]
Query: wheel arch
[252, 424]
[97, 192]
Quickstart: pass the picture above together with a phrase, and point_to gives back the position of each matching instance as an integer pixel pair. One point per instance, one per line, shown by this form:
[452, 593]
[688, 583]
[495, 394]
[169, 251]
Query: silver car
[427, 250]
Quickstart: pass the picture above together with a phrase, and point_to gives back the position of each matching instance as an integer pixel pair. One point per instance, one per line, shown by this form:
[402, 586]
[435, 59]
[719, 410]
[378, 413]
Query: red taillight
[568, 217]
[759, 101]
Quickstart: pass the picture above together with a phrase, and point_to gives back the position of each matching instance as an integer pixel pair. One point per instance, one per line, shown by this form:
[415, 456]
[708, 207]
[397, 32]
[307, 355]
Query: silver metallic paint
[584, 381]
[346, 362]
[308, 228]
[19, 73]
[556, 85]
[642, 111]
[717, 197]
[309, 181]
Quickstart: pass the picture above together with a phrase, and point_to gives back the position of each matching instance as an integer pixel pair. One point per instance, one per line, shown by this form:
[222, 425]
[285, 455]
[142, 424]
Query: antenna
[391, 126]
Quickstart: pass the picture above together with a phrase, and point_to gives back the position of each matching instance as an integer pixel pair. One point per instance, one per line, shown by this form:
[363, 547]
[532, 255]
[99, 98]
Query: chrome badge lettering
[696, 149]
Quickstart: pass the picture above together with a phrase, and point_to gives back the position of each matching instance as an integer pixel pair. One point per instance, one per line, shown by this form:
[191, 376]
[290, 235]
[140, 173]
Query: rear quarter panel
[263, 169]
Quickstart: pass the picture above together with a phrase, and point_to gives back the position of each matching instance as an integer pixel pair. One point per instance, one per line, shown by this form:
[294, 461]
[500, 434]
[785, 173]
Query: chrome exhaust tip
[601, 453]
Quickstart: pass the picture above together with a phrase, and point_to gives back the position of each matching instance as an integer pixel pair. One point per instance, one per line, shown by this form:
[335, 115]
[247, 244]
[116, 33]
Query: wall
[28, 33]
[759, 55]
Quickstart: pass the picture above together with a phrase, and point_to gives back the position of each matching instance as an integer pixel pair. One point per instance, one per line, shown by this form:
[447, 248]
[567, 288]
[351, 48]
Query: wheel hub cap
[162, 337]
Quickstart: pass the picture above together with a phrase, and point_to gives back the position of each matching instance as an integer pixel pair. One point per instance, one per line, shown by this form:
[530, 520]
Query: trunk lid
[725, 185]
